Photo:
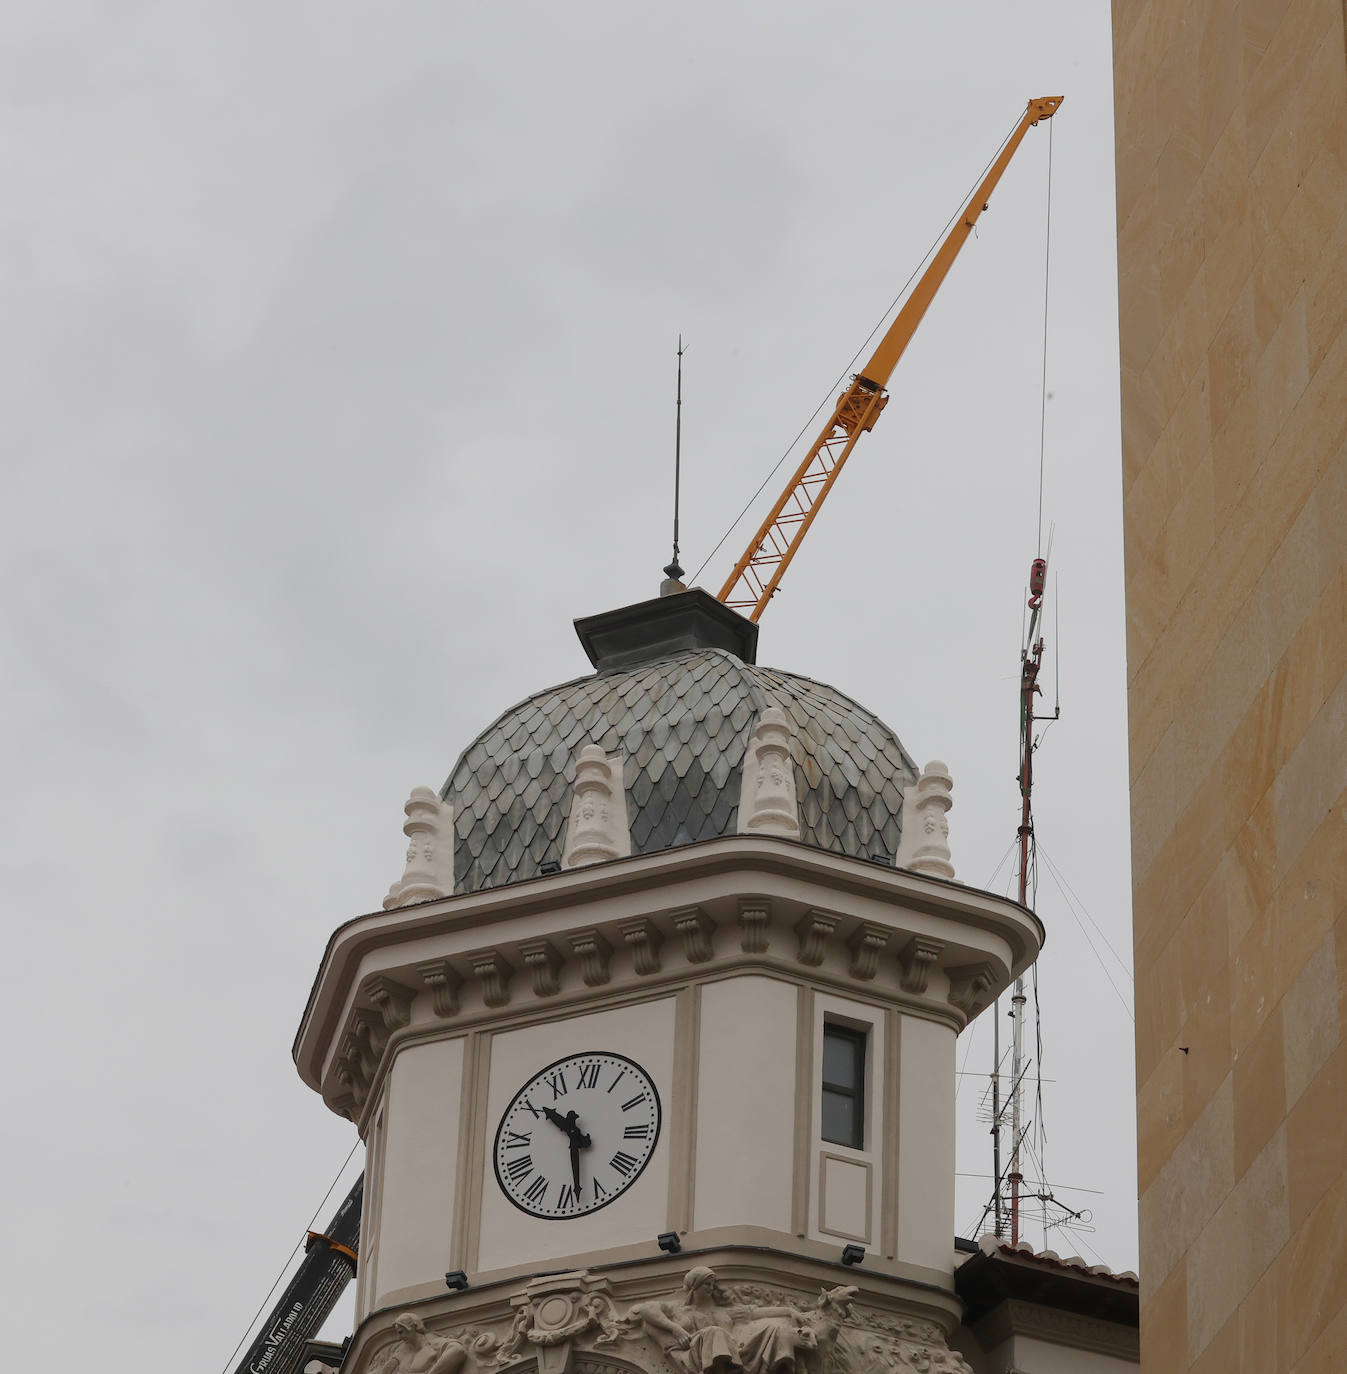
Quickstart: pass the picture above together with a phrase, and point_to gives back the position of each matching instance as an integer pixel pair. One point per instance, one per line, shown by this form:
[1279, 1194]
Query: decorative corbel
[393, 1000]
[344, 1104]
[442, 980]
[368, 1028]
[915, 962]
[494, 974]
[755, 915]
[695, 926]
[354, 1090]
[361, 1058]
[814, 928]
[970, 987]
[594, 953]
[352, 1069]
[866, 945]
[643, 937]
[544, 963]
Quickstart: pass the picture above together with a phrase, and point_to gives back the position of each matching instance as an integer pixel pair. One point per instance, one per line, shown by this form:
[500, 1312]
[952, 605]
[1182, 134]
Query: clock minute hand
[575, 1162]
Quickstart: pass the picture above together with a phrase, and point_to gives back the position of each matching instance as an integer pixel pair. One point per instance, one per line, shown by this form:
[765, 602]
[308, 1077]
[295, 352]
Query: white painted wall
[746, 1113]
[508, 1236]
[1026, 1355]
[420, 1154]
[926, 1078]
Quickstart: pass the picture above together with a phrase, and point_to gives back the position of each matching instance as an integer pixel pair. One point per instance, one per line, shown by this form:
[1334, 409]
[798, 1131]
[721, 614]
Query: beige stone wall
[1232, 187]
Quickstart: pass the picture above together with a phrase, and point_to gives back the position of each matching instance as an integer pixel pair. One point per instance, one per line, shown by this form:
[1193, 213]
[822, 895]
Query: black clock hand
[578, 1137]
[575, 1161]
[558, 1120]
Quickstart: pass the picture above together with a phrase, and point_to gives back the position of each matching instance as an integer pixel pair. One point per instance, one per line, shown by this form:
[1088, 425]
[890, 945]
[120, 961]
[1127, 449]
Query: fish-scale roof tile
[682, 726]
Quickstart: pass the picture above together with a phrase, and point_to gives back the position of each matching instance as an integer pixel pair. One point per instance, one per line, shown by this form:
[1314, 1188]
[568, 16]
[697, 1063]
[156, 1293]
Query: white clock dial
[577, 1135]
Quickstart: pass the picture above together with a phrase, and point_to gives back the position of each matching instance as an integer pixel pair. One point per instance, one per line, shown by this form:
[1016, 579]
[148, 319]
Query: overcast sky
[336, 378]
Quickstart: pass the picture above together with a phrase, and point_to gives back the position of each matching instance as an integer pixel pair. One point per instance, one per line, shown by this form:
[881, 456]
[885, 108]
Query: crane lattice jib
[758, 573]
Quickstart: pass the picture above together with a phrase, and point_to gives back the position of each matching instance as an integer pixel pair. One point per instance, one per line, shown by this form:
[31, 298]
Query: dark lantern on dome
[665, 625]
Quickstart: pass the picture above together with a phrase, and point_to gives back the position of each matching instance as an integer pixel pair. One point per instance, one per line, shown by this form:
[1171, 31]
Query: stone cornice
[1015, 1317]
[646, 918]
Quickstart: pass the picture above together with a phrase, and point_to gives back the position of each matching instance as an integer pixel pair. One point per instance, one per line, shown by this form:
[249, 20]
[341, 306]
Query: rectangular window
[844, 1086]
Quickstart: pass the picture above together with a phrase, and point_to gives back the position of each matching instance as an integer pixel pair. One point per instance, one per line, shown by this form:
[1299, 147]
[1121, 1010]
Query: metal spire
[673, 570]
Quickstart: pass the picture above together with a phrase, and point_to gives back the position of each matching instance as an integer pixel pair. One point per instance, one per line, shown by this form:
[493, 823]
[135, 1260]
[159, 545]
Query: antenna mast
[1032, 663]
[673, 570]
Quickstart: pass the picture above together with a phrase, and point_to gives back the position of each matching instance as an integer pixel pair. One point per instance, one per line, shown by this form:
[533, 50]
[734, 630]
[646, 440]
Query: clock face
[577, 1135]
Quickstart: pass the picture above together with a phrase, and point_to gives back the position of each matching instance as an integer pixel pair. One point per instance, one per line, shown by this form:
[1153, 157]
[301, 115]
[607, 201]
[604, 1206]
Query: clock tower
[652, 1045]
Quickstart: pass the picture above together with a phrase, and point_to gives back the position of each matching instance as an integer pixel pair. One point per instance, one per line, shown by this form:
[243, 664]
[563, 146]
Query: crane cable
[846, 371]
[304, 1235]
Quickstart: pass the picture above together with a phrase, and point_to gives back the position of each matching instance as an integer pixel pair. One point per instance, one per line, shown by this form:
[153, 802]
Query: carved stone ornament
[544, 964]
[695, 926]
[597, 830]
[970, 987]
[924, 846]
[444, 982]
[552, 1314]
[768, 803]
[643, 939]
[594, 953]
[918, 955]
[755, 916]
[814, 928]
[414, 1350]
[569, 1324]
[493, 973]
[367, 1028]
[393, 1001]
[711, 1330]
[866, 946]
[430, 851]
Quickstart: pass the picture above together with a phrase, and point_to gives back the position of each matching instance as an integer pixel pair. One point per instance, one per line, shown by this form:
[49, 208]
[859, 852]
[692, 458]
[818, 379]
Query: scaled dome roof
[679, 708]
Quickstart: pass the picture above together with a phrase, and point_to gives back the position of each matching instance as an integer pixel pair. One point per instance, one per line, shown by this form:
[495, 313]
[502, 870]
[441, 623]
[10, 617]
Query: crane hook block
[1038, 577]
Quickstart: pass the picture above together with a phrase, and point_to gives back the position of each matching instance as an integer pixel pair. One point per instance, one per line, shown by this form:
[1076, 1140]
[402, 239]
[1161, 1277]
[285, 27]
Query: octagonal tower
[652, 1045]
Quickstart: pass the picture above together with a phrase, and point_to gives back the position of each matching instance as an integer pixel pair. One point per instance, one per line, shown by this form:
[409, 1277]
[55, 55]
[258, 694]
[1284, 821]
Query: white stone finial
[597, 829]
[768, 804]
[924, 846]
[430, 852]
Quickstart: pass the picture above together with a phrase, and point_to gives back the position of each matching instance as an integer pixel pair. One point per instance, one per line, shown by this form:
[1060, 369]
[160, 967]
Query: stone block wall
[1232, 227]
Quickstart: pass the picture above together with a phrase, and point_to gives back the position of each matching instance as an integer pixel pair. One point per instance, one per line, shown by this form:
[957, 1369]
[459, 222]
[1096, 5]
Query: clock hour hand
[558, 1120]
[575, 1161]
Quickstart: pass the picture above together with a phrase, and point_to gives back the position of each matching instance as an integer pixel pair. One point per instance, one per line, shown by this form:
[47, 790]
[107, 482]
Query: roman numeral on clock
[634, 1102]
[570, 1197]
[557, 1082]
[623, 1163]
[636, 1132]
[589, 1076]
[534, 1192]
[513, 1140]
[519, 1167]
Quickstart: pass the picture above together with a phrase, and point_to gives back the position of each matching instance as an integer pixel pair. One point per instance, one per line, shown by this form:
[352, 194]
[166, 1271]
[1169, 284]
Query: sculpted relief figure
[708, 1332]
[417, 1351]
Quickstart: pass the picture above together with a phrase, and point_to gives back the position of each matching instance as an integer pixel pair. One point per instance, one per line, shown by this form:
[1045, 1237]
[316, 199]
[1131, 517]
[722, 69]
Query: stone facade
[1232, 224]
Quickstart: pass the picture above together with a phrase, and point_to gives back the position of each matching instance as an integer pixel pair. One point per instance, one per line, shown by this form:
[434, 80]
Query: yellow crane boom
[758, 573]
